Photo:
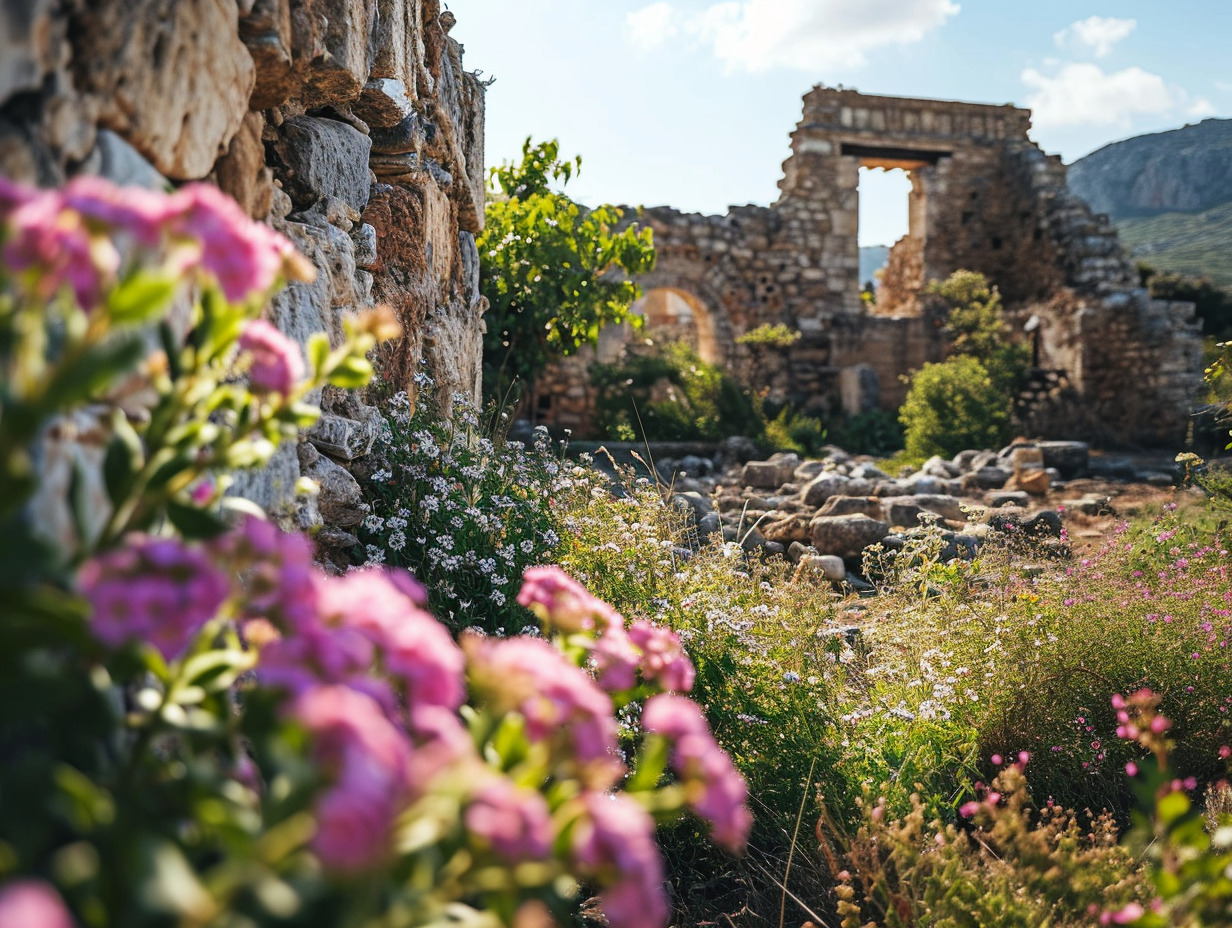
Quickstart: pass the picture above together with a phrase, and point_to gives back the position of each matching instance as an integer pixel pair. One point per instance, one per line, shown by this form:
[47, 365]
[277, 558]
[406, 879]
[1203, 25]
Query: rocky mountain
[1184, 170]
[1170, 195]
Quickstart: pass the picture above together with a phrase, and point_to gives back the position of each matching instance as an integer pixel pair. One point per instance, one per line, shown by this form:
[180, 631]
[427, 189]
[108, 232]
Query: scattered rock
[821, 488]
[826, 565]
[846, 536]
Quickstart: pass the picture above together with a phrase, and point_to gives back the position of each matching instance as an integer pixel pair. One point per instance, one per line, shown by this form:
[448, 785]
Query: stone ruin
[1112, 364]
[348, 125]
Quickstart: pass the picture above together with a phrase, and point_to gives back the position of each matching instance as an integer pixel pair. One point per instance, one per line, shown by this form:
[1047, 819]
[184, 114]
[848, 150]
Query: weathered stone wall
[349, 125]
[985, 198]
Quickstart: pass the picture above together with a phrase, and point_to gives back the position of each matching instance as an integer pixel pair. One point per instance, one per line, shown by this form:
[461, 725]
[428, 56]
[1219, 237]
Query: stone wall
[349, 125]
[985, 198]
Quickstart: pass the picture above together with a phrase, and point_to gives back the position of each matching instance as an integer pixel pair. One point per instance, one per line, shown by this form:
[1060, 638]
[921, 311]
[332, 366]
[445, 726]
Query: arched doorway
[670, 314]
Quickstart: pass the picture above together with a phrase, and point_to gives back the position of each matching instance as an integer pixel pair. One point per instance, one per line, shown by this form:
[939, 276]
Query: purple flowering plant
[201, 727]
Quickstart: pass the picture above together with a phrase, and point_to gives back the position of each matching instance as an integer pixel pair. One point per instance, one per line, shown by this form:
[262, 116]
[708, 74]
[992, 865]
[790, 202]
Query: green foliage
[952, 406]
[668, 393]
[1212, 303]
[793, 431]
[778, 335]
[1016, 866]
[874, 432]
[465, 512]
[978, 330]
[1194, 244]
[544, 263]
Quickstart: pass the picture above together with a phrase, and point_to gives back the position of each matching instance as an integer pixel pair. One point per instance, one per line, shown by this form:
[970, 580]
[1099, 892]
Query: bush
[793, 431]
[874, 432]
[671, 394]
[952, 406]
[466, 513]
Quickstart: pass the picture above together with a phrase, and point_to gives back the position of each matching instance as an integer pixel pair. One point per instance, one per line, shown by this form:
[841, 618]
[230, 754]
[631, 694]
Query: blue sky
[690, 102]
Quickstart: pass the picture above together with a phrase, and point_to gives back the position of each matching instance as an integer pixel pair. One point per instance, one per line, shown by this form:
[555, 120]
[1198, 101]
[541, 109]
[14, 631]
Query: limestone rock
[822, 487]
[241, 171]
[345, 439]
[870, 506]
[846, 536]
[323, 158]
[768, 475]
[173, 77]
[340, 499]
[1071, 458]
[788, 530]
[825, 565]
[1035, 482]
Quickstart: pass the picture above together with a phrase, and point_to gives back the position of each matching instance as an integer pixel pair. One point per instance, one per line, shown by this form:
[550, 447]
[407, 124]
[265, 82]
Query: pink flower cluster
[514, 821]
[563, 603]
[615, 844]
[66, 236]
[156, 590]
[715, 790]
[617, 653]
[555, 697]
[32, 904]
[275, 362]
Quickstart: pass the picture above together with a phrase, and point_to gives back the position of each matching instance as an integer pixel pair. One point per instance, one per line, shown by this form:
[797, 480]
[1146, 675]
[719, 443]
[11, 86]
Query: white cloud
[1096, 34]
[1084, 94]
[652, 25]
[811, 35]
[1224, 86]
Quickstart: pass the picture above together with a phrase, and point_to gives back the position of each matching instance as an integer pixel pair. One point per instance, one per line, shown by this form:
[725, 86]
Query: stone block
[319, 158]
[846, 536]
[172, 76]
[827, 566]
[822, 487]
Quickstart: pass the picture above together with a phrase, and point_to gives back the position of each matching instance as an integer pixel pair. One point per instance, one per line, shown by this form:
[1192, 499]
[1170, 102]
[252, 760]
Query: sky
[689, 103]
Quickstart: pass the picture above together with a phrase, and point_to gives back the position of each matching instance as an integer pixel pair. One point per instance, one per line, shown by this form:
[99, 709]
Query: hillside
[1184, 170]
[1170, 195]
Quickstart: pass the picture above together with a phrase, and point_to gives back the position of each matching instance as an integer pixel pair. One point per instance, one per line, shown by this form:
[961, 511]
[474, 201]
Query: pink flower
[1131, 913]
[615, 660]
[514, 821]
[615, 844]
[136, 211]
[1131, 769]
[370, 763]
[153, 590]
[663, 657]
[417, 648]
[714, 789]
[562, 602]
[276, 362]
[55, 246]
[14, 195]
[245, 257]
[557, 699]
[32, 903]
[968, 809]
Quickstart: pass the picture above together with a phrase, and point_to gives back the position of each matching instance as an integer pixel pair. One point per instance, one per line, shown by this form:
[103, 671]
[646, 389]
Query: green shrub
[668, 393]
[793, 431]
[977, 327]
[465, 513]
[771, 336]
[875, 432]
[952, 406]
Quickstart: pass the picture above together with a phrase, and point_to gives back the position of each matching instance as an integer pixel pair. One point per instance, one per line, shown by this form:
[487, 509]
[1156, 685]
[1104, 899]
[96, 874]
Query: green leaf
[317, 350]
[123, 458]
[1171, 807]
[351, 373]
[195, 523]
[95, 369]
[144, 295]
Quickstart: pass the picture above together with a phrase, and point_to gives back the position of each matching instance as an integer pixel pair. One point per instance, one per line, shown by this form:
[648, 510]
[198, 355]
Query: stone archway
[670, 314]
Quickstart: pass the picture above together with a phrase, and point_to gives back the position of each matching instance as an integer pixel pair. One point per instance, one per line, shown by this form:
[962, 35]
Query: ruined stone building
[983, 197]
[349, 125]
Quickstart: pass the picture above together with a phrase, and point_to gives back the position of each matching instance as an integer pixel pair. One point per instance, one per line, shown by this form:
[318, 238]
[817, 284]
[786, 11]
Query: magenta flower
[713, 787]
[154, 590]
[46, 239]
[141, 213]
[615, 659]
[515, 822]
[663, 658]
[562, 602]
[32, 903]
[245, 257]
[417, 648]
[276, 362]
[557, 699]
[370, 764]
[615, 844]
[14, 195]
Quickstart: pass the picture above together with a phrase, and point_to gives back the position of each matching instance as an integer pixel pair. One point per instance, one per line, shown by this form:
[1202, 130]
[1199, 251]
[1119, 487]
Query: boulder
[821, 488]
[735, 450]
[1071, 458]
[992, 478]
[870, 506]
[1035, 482]
[846, 536]
[343, 438]
[825, 565]
[793, 528]
[1008, 498]
[767, 475]
[949, 508]
[340, 499]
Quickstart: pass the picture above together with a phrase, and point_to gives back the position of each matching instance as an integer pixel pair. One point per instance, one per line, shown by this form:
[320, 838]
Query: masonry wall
[984, 198]
[349, 125]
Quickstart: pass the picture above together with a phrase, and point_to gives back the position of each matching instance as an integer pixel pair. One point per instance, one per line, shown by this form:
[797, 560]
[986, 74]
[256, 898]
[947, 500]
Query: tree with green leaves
[546, 263]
